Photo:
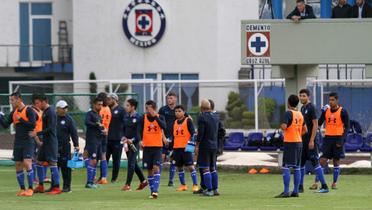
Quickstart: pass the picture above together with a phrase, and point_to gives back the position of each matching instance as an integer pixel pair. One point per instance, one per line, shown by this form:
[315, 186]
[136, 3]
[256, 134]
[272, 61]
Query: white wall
[201, 37]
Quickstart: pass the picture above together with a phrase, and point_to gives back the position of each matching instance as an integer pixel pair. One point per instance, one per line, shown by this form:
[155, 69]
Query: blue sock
[320, 174]
[336, 173]
[103, 168]
[150, 179]
[45, 171]
[30, 178]
[172, 172]
[21, 179]
[194, 177]
[86, 161]
[181, 175]
[40, 173]
[214, 176]
[55, 176]
[91, 173]
[286, 179]
[156, 181]
[34, 168]
[302, 176]
[296, 179]
[207, 180]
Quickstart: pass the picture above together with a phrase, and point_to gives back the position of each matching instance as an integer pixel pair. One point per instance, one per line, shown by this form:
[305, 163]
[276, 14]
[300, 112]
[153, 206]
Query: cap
[61, 104]
[114, 96]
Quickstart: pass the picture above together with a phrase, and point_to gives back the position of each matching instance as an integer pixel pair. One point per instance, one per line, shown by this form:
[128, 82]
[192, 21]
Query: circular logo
[144, 23]
[134, 120]
[94, 155]
[116, 112]
[63, 122]
[258, 44]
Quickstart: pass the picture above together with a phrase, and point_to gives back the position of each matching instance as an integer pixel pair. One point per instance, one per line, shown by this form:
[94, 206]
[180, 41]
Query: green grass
[238, 191]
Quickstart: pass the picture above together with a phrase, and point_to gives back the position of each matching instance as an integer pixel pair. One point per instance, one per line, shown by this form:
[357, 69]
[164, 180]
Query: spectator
[342, 10]
[361, 9]
[302, 11]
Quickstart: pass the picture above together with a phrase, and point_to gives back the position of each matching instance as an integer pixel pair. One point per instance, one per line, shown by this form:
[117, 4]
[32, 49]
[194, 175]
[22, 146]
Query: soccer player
[38, 141]
[206, 148]
[309, 146]
[23, 119]
[48, 152]
[94, 135]
[169, 115]
[132, 139]
[336, 120]
[66, 131]
[115, 133]
[150, 130]
[294, 127]
[183, 130]
[106, 116]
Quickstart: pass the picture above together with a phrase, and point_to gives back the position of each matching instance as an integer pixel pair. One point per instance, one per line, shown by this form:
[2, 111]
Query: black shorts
[309, 154]
[23, 151]
[207, 158]
[94, 150]
[151, 157]
[48, 152]
[182, 158]
[292, 154]
[333, 148]
[104, 144]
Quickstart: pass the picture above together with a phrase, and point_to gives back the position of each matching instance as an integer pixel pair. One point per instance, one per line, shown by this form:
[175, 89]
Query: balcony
[37, 58]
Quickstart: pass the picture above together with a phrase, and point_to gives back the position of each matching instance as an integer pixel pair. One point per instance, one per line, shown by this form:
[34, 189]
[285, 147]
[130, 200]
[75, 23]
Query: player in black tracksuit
[66, 131]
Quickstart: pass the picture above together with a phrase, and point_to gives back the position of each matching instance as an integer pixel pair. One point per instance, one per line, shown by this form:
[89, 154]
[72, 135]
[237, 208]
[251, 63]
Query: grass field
[238, 191]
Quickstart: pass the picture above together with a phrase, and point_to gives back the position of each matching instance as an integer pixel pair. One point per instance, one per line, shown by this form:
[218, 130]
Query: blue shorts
[207, 158]
[292, 154]
[48, 152]
[333, 148]
[309, 154]
[151, 157]
[24, 151]
[94, 150]
[182, 158]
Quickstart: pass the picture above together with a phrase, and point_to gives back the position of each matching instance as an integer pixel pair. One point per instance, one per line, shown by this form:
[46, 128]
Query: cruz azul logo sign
[257, 43]
[144, 23]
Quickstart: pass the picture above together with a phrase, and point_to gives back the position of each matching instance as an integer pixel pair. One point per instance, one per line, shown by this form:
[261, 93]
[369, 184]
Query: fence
[354, 95]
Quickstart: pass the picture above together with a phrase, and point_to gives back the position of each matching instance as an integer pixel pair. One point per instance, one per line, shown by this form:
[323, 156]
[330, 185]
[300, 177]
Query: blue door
[41, 39]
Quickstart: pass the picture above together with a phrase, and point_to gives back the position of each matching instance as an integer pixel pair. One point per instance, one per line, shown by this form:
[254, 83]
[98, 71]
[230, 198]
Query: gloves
[325, 107]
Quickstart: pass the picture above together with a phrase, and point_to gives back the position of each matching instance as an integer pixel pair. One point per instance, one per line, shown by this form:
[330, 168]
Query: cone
[264, 171]
[252, 171]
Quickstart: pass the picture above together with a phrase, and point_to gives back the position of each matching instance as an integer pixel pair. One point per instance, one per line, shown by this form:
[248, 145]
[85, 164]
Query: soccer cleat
[216, 193]
[283, 195]
[114, 181]
[154, 195]
[126, 188]
[323, 190]
[55, 191]
[28, 193]
[143, 185]
[195, 188]
[91, 186]
[301, 189]
[66, 190]
[314, 187]
[208, 193]
[102, 181]
[47, 180]
[39, 189]
[334, 186]
[48, 190]
[200, 191]
[170, 184]
[182, 188]
[294, 194]
[20, 193]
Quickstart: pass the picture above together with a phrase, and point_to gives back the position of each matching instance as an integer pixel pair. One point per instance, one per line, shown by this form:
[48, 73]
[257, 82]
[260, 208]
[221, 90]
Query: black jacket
[309, 13]
[341, 12]
[366, 11]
